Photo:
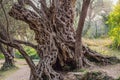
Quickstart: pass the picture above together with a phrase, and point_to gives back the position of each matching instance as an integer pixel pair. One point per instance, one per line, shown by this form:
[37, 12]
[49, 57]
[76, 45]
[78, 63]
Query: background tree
[78, 43]
[95, 25]
[4, 33]
[17, 29]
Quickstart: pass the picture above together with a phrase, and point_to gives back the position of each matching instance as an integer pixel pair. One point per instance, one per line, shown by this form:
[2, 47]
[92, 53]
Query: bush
[1, 56]
[114, 26]
[30, 51]
[115, 35]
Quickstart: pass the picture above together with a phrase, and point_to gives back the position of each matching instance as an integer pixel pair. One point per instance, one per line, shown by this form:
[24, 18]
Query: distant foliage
[1, 56]
[114, 26]
[30, 51]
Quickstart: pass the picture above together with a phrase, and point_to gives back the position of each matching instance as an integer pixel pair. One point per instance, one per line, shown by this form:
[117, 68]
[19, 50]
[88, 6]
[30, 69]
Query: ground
[100, 45]
[111, 70]
[20, 73]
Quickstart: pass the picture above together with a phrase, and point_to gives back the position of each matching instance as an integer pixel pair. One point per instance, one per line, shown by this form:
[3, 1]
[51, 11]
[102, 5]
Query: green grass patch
[102, 46]
[30, 51]
[1, 56]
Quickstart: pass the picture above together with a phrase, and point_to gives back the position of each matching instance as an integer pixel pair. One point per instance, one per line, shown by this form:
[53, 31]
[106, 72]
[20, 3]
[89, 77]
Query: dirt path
[23, 72]
[20, 74]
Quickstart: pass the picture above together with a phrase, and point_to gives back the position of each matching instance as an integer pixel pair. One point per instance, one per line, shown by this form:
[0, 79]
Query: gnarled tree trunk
[54, 34]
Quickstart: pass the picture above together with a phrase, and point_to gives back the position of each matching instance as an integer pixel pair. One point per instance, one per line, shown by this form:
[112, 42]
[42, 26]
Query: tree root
[97, 58]
[90, 58]
[7, 66]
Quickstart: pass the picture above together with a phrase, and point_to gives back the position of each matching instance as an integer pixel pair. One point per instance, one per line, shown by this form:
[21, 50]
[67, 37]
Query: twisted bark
[9, 57]
[6, 50]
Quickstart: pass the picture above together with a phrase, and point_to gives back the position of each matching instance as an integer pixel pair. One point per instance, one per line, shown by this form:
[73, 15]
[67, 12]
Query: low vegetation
[114, 26]
[102, 46]
[30, 51]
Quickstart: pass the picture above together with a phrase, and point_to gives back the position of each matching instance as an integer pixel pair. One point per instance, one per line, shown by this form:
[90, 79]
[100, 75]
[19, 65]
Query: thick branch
[78, 43]
[3, 32]
[2, 49]
[26, 43]
[2, 6]
[30, 3]
[21, 13]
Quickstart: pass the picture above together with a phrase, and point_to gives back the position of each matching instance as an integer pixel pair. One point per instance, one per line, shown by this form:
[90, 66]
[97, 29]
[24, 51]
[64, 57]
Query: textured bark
[55, 35]
[78, 44]
[9, 58]
[6, 50]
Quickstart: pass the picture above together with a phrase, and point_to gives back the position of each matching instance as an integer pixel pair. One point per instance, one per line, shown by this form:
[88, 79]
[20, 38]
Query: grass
[4, 74]
[102, 46]
[1, 56]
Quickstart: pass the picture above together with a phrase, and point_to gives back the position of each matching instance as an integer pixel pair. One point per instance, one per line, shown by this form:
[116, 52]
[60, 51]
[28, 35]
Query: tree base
[8, 64]
[7, 67]
[89, 59]
[97, 58]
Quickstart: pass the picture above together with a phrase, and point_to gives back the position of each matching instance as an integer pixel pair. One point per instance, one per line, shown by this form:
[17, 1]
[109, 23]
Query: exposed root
[7, 67]
[97, 58]
[95, 76]
[87, 76]
[90, 58]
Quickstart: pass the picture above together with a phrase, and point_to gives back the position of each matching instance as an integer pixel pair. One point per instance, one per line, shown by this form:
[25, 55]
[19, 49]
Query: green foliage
[1, 56]
[114, 26]
[30, 51]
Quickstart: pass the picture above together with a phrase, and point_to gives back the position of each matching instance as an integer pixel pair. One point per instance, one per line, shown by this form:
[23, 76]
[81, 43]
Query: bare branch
[2, 6]
[30, 3]
[43, 4]
[22, 51]
[25, 15]
[2, 49]
[26, 43]
[3, 32]
[44, 9]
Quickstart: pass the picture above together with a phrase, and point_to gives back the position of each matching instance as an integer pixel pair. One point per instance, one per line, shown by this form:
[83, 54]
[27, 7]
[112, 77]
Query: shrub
[1, 56]
[114, 26]
[30, 51]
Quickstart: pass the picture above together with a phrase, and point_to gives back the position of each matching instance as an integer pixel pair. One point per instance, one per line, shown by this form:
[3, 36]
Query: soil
[23, 72]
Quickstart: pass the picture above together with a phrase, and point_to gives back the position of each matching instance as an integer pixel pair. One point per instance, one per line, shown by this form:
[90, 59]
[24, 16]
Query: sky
[114, 1]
